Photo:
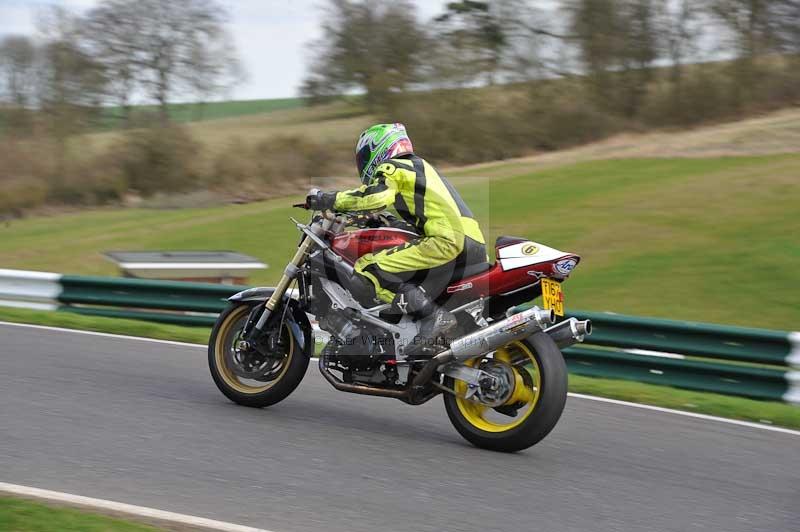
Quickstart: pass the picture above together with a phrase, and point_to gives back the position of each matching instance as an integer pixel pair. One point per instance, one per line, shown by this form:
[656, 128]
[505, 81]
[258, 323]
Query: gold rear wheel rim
[220, 348]
[526, 391]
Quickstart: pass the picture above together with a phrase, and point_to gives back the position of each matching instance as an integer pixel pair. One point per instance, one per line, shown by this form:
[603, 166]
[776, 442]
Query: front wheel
[536, 397]
[253, 380]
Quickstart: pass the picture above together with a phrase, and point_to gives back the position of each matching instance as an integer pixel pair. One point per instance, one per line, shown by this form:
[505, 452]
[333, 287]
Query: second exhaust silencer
[569, 332]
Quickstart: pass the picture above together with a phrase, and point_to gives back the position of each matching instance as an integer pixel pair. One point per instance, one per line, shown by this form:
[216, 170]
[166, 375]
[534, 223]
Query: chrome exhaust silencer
[483, 341]
[515, 327]
[569, 332]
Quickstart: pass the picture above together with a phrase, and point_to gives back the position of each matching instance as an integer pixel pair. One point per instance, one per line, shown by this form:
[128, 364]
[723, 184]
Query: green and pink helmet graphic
[380, 143]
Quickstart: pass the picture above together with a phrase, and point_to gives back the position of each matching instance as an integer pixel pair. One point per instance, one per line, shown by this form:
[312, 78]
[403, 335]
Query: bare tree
[17, 68]
[751, 26]
[640, 48]
[71, 85]
[368, 45]
[17, 81]
[596, 26]
[785, 21]
[489, 42]
[214, 68]
[112, 31]
[474, 32]
[163, 46]
[681, 26]
[617, 42]
[749, 22]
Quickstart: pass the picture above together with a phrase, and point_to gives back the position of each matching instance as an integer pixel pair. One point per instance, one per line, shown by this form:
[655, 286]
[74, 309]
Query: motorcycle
[502, 375]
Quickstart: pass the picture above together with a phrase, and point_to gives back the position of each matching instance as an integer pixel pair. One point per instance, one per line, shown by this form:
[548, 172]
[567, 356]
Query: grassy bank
[21, 515]
[111, 117]
[698, 239]
[769, 412]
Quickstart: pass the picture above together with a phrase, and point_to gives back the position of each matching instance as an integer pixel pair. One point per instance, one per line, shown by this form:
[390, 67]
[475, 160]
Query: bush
[21, 193]
[24, 170]
[460, 128]
[93, 181]
[275, 166]
[474, 126]
[159, 159]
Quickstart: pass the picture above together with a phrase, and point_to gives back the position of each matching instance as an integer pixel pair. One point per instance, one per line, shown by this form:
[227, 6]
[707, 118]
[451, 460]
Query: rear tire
[247, 392]
[545, 410]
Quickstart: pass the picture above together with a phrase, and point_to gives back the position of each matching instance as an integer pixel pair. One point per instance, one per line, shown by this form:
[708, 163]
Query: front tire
[538, 399]
[282, 379]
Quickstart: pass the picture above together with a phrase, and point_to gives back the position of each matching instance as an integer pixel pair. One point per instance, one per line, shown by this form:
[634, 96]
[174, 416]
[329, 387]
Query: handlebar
[359, 219]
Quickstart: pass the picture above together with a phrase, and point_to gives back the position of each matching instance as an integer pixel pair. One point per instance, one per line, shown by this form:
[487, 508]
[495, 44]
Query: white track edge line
[130, 509]
[106, 335]
[749, 424]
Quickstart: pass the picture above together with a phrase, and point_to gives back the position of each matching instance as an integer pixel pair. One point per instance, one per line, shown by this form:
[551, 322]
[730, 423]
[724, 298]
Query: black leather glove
[320, 201]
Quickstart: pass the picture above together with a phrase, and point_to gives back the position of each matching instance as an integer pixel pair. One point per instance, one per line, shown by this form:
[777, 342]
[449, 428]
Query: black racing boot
[434, 320]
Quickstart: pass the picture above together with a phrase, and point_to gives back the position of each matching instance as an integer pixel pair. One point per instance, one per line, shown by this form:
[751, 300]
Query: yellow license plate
[553, 296]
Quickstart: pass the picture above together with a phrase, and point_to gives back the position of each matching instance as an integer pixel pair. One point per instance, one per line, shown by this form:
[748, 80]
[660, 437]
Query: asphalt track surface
[142, 423]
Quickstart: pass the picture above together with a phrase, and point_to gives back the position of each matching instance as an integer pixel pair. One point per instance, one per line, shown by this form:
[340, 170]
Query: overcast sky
[271, 36]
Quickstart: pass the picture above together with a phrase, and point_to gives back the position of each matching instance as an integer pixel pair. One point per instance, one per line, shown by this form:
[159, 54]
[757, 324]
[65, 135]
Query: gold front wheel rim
[526, 391]
[220, 349]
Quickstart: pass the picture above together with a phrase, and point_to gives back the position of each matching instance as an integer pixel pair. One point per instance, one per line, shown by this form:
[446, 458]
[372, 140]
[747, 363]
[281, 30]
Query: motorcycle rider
[410, 276]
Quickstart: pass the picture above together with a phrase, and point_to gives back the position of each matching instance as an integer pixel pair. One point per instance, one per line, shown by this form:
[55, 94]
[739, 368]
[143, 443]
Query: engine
[360, 351]
[339, 326]
[360, 354]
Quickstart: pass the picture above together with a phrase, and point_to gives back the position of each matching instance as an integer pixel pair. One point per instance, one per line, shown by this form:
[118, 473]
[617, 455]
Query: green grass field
[711, 239]
[21, 515]
[191, 112]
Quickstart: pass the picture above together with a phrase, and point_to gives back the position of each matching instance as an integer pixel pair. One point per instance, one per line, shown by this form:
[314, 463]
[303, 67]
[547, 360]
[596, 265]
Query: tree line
[480, 80]
[380, 47]
[81, 72]
[599, 64]
[120, 50]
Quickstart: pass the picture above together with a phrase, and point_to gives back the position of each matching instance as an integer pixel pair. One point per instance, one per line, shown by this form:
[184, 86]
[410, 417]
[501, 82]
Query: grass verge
[768, 412]
[67, 320]
[22, 515]
[112, 117]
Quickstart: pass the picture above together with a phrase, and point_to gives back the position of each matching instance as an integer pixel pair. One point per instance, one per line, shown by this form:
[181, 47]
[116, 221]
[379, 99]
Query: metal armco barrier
[145, 293]
[691, 374]
[756, 363]
[689, 338]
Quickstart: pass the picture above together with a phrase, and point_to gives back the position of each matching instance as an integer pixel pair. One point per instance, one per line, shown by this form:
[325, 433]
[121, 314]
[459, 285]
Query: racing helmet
[380, 143]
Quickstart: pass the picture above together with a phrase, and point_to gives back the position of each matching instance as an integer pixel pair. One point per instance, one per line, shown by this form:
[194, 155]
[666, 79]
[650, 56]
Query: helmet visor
[362, 159]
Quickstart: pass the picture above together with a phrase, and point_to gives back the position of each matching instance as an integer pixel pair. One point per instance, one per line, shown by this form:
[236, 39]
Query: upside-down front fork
[312, 237]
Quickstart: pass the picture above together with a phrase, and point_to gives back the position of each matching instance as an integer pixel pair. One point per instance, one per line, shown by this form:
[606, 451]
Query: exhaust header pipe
[569, 332]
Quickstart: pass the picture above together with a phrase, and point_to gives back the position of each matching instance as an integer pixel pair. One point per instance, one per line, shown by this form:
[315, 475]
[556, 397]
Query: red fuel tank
[354, 244]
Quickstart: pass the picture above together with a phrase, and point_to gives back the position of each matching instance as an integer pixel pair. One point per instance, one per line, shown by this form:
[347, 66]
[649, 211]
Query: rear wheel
[537, 377]
[252, 379]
